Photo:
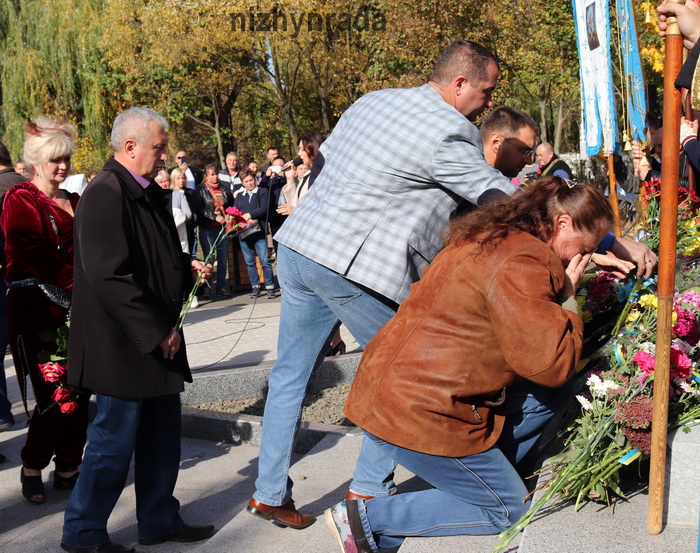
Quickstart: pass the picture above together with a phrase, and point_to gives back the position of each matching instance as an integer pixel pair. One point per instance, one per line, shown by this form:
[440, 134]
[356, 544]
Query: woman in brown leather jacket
[496, 306]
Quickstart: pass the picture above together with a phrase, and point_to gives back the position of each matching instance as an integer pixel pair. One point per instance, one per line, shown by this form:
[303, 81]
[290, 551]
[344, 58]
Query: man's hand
[637, 253]
[200, 268]
[609, 262]
[171, 344]
[688, 17]
[688, 131]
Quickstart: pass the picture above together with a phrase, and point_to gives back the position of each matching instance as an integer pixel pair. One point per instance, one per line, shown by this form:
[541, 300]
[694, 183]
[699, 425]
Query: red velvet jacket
[32, 247]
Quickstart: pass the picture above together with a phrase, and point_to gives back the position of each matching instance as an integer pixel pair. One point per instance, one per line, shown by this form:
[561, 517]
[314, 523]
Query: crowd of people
[404, 225]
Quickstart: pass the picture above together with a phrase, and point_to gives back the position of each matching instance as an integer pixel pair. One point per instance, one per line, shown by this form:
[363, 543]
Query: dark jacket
[555, 164]
[8, 178]
[204, 204]
[129, 281]
[273, 184]
[255, 204]
[198, 174]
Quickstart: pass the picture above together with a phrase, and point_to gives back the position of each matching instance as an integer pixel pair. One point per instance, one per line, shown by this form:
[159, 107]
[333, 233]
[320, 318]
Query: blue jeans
[258, 246]
[148, 429]
[529, 408]
[478, 494]
[314, 301]
[207, 236]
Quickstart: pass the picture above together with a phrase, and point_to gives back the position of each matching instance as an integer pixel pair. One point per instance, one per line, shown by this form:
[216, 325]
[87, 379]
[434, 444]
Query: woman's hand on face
[574, 272]
[285, 209]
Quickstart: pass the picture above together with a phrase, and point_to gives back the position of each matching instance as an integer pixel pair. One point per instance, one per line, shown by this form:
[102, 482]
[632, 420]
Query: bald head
[545, 153]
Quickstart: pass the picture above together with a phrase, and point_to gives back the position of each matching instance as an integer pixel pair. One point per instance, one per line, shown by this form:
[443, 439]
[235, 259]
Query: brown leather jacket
[432, 378]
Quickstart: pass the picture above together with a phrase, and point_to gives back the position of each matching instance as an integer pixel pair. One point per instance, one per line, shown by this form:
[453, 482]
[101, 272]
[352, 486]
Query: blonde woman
[37, 220]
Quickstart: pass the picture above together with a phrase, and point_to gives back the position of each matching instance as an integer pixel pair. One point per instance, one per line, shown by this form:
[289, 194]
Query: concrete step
[596, 528]
[321, 479]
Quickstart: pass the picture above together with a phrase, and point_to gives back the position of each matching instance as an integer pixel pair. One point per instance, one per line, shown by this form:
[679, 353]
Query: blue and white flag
[593, 41]
[634, 79]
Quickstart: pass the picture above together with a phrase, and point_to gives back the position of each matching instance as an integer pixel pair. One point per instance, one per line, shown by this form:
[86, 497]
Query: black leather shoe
[108, 547]
[186, 533]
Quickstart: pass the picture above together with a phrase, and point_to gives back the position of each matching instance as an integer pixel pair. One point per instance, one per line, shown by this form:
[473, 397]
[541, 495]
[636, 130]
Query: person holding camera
[274, 180]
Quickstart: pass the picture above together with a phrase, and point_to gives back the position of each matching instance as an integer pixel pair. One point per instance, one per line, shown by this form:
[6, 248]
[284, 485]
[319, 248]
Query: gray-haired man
[129, 280]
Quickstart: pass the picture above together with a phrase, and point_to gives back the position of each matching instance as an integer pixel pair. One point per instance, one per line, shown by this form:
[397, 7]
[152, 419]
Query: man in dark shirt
[551, 165]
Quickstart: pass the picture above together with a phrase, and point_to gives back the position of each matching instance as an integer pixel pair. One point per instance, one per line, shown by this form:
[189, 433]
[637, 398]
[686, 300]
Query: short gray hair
[134, 123]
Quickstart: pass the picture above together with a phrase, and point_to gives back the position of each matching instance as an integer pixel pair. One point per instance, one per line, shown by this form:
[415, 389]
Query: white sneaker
[195, 303]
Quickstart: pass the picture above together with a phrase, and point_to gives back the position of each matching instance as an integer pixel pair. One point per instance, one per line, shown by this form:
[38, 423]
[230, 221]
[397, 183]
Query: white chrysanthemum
[593, 381]
[585, 403]
[683, 385]
[649, 347]
[599, 387]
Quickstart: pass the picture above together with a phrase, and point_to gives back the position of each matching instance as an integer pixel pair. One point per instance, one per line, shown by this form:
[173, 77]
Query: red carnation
[61, 394]
[68, 406]
[52, 372]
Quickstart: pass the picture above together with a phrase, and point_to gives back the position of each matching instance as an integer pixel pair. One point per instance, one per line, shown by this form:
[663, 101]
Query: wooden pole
[612, 197]
[667, 273]
[689, 115]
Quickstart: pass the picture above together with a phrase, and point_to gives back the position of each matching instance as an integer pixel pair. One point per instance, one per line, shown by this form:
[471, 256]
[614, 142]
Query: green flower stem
[567, 479]
[625, 311]
[190, 298]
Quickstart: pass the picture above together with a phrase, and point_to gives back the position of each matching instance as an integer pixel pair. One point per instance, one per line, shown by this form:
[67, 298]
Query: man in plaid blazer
[396, 166]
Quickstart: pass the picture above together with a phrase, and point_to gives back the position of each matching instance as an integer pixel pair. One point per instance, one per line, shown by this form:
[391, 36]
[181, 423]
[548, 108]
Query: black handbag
[250, 230]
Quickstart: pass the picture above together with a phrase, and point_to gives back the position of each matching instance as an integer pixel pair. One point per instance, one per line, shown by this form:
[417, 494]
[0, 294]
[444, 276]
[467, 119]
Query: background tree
[246, 74]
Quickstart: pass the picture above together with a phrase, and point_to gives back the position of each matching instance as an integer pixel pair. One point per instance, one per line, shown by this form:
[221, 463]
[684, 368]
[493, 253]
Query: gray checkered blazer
[397, 165]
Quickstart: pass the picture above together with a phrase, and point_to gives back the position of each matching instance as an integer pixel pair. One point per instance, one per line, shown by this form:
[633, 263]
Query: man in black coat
[129, 281]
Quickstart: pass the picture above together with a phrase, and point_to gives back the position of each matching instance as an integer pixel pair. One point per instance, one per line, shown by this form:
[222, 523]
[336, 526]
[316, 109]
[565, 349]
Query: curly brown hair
[534, 210]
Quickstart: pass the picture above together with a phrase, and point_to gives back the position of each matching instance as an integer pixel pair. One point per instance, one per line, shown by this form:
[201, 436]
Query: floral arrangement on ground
[610, 426]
